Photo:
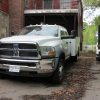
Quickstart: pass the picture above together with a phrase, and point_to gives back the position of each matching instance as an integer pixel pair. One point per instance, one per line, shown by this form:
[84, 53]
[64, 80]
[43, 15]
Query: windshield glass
[40, 30]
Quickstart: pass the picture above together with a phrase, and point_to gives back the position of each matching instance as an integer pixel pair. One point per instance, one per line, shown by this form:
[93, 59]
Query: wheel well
[62, 56]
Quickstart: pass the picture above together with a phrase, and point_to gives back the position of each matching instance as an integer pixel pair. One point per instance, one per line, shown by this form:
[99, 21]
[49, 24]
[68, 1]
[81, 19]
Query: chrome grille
[4, 45]
[19, 50]
[27, 46]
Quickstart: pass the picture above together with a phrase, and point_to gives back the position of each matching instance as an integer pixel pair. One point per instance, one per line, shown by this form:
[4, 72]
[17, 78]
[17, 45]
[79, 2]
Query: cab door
[63, 35]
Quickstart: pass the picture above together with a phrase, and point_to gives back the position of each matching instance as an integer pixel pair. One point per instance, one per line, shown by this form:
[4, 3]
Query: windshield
[40, 30]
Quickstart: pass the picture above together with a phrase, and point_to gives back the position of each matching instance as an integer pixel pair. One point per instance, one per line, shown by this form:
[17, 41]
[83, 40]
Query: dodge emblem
[15, 50]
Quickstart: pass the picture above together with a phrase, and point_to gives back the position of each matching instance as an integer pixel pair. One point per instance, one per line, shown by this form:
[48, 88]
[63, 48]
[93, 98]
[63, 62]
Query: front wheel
[58, 74]
[2, 76]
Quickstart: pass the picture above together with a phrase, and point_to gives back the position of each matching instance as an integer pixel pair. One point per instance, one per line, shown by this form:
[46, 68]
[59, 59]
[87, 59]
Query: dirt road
[75, 78]
[93, 86]
[15, 88]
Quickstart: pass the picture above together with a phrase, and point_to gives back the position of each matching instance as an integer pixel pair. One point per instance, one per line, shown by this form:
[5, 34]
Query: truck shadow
[39, 80]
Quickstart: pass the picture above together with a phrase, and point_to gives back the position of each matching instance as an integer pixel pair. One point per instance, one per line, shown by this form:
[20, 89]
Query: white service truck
[98, 45]
[38, 50]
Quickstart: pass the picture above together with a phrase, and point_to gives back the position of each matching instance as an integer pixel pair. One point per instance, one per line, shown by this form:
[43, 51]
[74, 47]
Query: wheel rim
[60, 72]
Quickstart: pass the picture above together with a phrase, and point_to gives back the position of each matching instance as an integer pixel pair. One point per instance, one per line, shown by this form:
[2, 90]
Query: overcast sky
[89, 15]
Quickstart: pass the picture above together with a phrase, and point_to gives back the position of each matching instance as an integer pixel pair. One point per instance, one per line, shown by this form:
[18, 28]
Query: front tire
[2, 76]
[58, 74]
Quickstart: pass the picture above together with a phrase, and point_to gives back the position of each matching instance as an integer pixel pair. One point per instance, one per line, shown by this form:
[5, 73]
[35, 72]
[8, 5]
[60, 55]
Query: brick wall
[56, 4]
[31, 5]
[38, 4]
[4, 6]
[74, 4]
[16, 15]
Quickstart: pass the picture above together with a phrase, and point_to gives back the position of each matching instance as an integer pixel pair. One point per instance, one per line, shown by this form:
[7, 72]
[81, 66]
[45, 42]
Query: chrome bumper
[44, 66]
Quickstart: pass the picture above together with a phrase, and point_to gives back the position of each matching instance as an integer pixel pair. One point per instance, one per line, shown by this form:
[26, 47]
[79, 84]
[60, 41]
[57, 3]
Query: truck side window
[63, 33]
[66, 33]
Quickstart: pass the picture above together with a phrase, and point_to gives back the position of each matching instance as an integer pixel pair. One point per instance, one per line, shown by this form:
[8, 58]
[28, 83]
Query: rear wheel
[97, 59]
[74, 58]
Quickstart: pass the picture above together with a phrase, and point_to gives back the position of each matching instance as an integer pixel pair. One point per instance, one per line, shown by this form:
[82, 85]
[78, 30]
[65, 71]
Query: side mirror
[73, 33]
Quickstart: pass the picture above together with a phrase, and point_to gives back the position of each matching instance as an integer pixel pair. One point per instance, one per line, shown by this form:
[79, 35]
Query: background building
[4, 18]
[13, 16]
[16, 15]
[46, 4]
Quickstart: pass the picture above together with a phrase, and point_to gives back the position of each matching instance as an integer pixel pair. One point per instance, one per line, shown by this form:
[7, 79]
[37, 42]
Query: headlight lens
[48, 51]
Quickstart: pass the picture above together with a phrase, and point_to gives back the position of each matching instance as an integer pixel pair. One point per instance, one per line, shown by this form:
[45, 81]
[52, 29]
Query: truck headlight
[48, 52]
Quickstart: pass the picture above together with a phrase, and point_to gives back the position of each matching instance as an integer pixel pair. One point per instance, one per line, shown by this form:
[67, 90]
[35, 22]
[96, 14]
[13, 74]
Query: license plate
[14, 68]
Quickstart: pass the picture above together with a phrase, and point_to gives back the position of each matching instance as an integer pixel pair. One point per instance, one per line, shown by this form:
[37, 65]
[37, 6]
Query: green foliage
[97, 21]
[95, 3]
[84, 25]
[89, 35]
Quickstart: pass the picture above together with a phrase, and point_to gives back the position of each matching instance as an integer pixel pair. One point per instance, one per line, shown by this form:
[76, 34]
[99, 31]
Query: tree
[92, 3]
[89, 35]
[85, 25]
[97, 21]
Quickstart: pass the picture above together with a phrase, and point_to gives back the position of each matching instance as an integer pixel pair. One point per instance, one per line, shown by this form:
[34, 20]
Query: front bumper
[32, 68]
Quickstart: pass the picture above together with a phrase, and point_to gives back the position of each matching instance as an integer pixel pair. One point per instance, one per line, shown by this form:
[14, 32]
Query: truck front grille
[6, 45]
[27, 46]
[19, 50]
[4, 52]
[28, 54]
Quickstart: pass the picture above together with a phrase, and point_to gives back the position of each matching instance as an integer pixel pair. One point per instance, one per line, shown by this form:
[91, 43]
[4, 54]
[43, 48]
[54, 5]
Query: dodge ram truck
[38, 50]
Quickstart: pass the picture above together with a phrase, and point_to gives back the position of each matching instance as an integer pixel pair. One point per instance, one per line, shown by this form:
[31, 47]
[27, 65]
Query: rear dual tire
[74, 58]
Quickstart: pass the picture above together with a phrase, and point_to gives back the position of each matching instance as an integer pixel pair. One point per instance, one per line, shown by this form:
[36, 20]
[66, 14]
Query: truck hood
[29, 39]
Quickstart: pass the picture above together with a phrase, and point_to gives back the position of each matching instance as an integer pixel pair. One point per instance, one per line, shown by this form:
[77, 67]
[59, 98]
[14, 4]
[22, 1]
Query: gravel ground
[75, 79]
[73, 87]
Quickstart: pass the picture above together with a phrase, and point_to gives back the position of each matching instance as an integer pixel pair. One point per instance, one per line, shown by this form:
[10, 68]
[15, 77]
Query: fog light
[38, 65]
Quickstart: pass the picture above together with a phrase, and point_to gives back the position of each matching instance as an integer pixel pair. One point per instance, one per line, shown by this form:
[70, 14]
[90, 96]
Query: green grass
[89, 35]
